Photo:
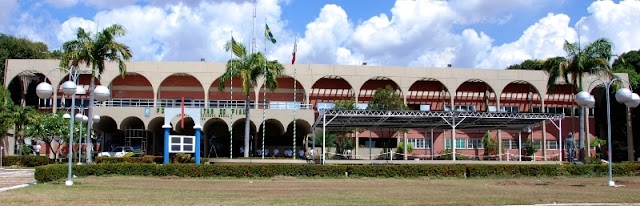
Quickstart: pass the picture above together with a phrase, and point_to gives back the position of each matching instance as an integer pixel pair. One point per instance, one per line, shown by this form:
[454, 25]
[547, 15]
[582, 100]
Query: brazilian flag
[268, 34]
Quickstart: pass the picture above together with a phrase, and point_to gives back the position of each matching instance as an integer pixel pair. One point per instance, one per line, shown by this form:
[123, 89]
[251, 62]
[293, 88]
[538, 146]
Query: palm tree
[94, 52]
[249, 67]
[592, 59]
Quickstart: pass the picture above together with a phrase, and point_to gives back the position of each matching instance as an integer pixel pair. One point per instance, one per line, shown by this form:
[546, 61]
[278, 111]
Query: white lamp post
[44, 90]
[624, 96]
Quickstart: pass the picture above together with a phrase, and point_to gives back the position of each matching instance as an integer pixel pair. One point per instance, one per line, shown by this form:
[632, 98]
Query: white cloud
[620, 23]
[541, 40]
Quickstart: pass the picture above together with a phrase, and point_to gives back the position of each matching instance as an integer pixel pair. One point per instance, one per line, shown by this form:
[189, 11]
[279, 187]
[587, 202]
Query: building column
[355, 147]
[198, 128]
[166, 143]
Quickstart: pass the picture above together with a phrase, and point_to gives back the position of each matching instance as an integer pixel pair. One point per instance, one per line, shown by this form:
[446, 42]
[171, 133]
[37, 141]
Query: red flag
[182, 113]
[295, 49]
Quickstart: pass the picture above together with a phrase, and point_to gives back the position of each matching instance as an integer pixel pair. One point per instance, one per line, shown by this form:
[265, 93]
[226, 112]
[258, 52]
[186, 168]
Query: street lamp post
[623, 95]
[44, 91]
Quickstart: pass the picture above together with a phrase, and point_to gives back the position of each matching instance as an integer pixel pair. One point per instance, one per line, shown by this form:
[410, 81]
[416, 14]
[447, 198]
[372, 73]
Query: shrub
[55, 172]
[25, 160]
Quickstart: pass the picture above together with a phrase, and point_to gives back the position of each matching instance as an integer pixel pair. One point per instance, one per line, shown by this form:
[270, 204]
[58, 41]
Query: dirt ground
[119, 190]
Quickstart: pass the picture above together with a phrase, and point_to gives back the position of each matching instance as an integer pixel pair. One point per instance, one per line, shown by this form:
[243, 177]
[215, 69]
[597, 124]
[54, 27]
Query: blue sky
[424, 33]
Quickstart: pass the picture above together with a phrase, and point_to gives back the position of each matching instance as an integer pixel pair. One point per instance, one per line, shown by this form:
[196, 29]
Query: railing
[191, 103]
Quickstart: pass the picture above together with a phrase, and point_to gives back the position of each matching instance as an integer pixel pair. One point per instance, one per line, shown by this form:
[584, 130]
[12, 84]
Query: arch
[216, 135]
[131, 86]
[156, 142]
[84, 81]
[218, 98]
[329, 89]
[23, 88]
[562, 95]
[284, 93]
[132, 122]
[428, 91]
[303, 128]
[106, 124]
[179, 85]
[188, 127]
[107, 130]
[369, 87]
[238, 136]
[520, 96]
[273, 135]
[475, 95]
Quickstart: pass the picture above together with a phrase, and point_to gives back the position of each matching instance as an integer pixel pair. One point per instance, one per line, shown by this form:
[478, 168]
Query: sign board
[181, 144]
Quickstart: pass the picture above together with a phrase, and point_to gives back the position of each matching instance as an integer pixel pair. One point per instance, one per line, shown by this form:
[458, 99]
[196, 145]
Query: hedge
[145, 159]
[50, 173]
[25, 160]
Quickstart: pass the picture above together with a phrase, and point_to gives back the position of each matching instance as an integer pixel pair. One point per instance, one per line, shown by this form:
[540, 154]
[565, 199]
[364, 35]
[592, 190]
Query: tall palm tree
[249, 67]
[94, 51]
[592, 59]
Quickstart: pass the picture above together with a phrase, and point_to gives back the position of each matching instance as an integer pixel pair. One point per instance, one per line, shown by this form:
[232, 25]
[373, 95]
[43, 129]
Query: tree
[592, 59]
[6, 119]
[94, 52]
[528, 64]
[345, 104]
[21, 116]
[49, 128]
[387, 99]
[249, 68]
[490, 144]
[19, 48]
[629, 62]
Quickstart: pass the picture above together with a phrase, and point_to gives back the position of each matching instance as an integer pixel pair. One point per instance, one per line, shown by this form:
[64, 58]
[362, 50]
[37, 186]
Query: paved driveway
[15, 178]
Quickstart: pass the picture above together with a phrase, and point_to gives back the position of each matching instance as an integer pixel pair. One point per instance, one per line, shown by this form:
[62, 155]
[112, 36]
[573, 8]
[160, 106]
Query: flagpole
[264, 89]
[233, 105]
[295, 85]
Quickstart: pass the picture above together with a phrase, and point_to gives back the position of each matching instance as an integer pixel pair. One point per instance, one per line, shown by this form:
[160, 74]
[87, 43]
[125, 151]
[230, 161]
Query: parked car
[119, 151]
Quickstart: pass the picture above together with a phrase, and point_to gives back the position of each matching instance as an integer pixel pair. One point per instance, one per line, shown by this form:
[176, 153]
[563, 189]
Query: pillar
[166, 143]
[198, 128]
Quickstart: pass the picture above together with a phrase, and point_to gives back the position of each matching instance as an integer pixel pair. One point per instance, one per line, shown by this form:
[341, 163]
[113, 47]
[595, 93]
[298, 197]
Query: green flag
[268, 34]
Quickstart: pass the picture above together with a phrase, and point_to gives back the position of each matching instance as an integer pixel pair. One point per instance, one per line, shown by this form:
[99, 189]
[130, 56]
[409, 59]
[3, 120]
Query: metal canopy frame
[349, 120]
[376, 120]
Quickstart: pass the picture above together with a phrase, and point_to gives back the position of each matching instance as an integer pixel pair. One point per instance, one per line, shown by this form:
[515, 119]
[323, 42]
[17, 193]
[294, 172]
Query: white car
[116, 152]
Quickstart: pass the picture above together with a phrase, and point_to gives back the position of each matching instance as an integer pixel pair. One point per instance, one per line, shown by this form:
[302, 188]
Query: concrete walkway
[16, 178]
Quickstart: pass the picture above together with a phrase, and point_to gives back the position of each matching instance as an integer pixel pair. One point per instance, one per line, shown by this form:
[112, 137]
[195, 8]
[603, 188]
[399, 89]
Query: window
[326, 105]
[509, 144]
[419, 143]
[362, 106]
[475, 144]
[425, 107]
[537, 144]
[461, 108]
[510, 109]
[536, 110]
[460, 144]
[552, 145]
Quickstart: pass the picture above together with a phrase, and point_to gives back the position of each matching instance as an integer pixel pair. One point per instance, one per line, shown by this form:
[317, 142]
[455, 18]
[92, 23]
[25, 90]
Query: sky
[485, 34]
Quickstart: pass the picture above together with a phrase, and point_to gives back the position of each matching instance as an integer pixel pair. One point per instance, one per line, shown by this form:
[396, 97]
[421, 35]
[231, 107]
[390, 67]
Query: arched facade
[162, 85]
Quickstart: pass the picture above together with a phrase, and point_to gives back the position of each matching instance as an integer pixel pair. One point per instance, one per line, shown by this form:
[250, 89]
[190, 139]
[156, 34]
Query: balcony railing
[201, 104]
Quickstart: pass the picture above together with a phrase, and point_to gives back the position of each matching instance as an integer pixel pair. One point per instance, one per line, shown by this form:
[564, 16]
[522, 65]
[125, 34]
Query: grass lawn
[124, 190]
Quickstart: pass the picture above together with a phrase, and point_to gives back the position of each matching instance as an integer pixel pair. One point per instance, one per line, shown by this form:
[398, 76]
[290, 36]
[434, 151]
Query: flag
[235, 47]
[182, 113]
[268, 34]
[295, 49]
